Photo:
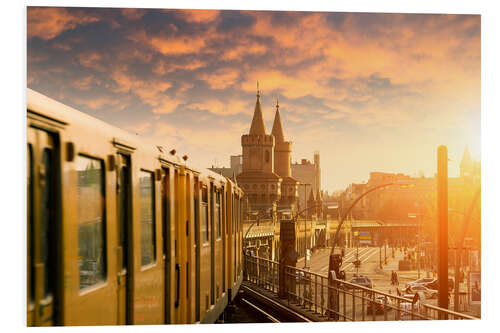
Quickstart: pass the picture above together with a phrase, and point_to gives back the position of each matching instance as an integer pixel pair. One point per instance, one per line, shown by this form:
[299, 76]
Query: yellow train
[120, 231]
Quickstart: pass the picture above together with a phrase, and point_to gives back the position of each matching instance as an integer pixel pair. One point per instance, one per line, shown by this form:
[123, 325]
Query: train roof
[66, 115]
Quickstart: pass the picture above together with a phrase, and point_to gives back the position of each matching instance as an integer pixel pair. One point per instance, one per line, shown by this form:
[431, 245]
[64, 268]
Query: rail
[348, 302]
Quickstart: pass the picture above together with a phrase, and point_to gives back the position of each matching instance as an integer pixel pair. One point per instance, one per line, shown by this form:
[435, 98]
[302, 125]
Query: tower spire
[277, 130]
[258, 127]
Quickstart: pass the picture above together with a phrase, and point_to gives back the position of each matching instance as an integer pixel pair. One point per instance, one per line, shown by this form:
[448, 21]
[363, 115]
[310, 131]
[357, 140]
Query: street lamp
[418, 216]
[334, 262]
[403, 184]
[460, 243]
[295, 218]
[305, 220]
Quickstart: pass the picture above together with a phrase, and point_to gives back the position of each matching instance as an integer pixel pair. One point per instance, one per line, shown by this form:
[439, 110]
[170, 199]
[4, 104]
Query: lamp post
[348, 210]
[334, 264]
[305, 222]
[460, 244]
[418, 216]
[296, 217]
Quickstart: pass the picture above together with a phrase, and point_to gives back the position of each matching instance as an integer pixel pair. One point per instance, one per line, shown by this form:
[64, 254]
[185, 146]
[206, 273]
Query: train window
[196, 212]
[48, 219]
[223, 214]
[217, 219]
[31, 254]
[204, 215]
[148, 237]
[91, 226]
[166, 210]
[233, 222]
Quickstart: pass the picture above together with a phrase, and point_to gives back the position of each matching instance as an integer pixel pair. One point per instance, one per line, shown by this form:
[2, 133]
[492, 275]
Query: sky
[369, 91]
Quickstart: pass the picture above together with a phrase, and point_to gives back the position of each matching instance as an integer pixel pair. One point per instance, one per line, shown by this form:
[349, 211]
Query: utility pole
[380, 256]
[442, 208]
[385, 252]
[305, 223]
[418, 243]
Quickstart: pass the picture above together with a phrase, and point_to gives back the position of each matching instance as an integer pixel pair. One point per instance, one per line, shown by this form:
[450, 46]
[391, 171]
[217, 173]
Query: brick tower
[258, 179]
[282, 158]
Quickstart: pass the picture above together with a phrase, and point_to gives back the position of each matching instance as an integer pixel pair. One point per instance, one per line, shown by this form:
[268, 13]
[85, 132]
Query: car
[434, 284]
[429, 293]
[380, 303]
[423, 281]
[362, 281]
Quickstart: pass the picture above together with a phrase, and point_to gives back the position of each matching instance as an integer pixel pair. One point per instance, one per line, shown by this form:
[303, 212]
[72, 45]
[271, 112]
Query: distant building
[235, 169]
[266, 176]
[307, 173]
[417, 204]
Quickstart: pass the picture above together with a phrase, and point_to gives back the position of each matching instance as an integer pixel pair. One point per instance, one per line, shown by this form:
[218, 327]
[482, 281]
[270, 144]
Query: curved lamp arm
[344, 215]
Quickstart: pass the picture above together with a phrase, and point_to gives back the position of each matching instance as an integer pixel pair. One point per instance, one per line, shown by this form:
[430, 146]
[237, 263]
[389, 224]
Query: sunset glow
[371, 92]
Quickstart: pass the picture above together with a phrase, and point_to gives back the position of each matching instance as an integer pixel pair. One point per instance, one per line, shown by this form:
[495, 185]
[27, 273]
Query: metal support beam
[442, 205]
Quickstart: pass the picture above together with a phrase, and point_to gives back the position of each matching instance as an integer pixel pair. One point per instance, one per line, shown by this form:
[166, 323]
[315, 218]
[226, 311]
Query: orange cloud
[163, 68]
[92, 60]
[199, 16]
[86, 83]
[49, 22]
[221, 79]
[133, 13]
[215, 106]
[151, 92]
[239, 51]
[177, 45]
[291, 86]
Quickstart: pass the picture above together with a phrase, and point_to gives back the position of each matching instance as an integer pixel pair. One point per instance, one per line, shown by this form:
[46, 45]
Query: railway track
[271, 309]
[260, 310]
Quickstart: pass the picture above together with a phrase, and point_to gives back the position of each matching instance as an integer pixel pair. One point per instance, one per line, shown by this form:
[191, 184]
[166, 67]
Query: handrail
[311, 289]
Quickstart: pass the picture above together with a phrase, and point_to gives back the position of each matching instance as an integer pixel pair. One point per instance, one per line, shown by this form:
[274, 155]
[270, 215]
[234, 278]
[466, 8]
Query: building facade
[307, 173]
[233, 171]
[266, 176]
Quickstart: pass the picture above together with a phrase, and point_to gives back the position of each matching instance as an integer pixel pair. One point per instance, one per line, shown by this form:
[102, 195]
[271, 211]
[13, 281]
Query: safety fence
[338, 300]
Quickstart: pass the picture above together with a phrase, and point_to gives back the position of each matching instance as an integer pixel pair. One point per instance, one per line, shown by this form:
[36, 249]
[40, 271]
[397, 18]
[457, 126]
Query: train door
[166, 227]
[124, 214]
[212, 245]
[197, 246]
[43, 196]
[223, 232]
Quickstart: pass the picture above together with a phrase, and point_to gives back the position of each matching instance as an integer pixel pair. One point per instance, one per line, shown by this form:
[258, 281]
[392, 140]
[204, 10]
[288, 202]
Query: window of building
[267, 156]
[91, 224]
[148, 237]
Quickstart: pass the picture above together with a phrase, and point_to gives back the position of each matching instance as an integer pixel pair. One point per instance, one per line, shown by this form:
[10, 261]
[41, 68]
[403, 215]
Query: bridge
[301, 295]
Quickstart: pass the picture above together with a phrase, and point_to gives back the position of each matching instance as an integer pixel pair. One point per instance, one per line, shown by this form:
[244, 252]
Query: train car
[122, 231]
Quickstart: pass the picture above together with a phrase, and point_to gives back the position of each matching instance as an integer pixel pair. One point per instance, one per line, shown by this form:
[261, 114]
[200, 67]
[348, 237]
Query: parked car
[434, 284]
[362, 281]
[380, 303]
[423, 281]
[429, 293]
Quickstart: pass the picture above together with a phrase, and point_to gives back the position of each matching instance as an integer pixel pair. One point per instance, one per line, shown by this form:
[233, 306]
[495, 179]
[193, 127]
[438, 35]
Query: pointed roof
[234, 179]
[318, 196]
[257, 127]
[277, 128]
[311, 196]
[466, 159]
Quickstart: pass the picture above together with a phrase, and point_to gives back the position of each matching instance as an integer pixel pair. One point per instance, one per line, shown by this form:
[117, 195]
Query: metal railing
[349, 302]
